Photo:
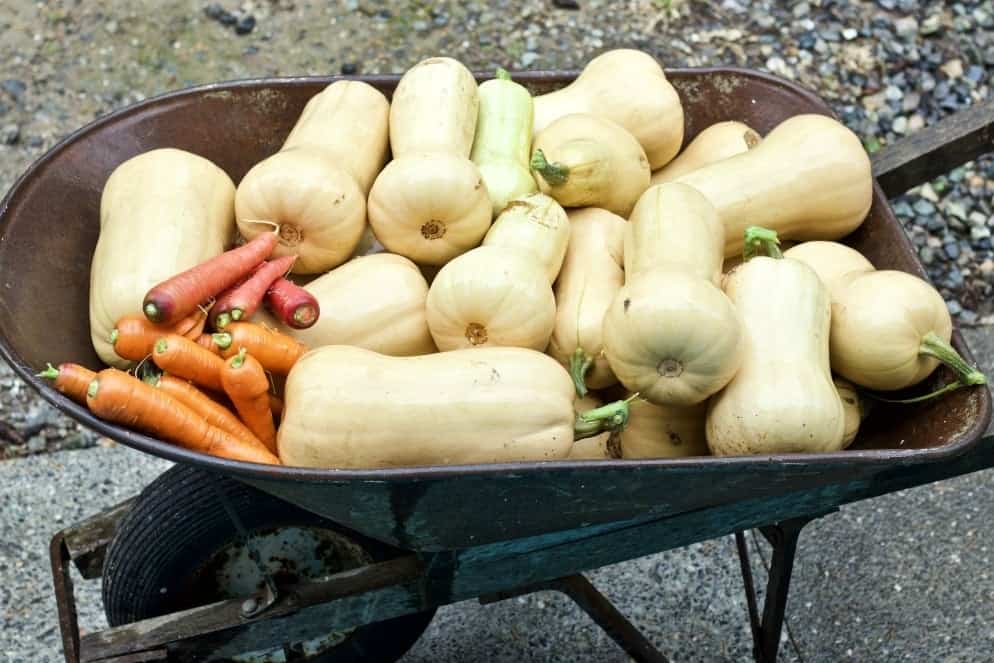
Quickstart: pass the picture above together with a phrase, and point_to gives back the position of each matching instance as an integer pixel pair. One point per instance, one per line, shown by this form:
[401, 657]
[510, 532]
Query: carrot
[294, 306]
[186, 359]
[179, 295]
[70, 379]
[275, 351]
[205, 340]
[115, 396]
[213, 412]
[276, 405]
[133, 337]
[192, 325]
[247, 386]
[242, 300]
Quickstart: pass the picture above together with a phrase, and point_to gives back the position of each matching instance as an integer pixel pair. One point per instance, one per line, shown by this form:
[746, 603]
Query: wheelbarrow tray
[49, 223]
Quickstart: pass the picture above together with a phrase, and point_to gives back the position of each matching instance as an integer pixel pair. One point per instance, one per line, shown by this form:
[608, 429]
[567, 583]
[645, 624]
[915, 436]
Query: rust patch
[433, 230]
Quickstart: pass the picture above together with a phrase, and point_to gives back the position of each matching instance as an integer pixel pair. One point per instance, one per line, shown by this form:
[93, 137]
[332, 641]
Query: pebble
[978, 233]
[954, 307]
[953, 69]
[952, 250]
[906, 26]
[924, 208]
[566, 4]
[911, 101]
[36, 444]
[957, 210]
[849, 34]
[931, 25]
[350, 69]
[10, 134]
[420, 26]
[899, 125]
[977, 219]
[245, 25]
[14, 87]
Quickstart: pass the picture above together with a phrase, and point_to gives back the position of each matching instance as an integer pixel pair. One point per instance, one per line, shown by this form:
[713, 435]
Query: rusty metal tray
[48, 229]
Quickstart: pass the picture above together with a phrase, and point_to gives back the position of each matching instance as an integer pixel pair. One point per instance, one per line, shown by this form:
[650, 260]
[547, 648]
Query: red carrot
[70, 379]
[180, 295]
[242, 300]
[294, 306]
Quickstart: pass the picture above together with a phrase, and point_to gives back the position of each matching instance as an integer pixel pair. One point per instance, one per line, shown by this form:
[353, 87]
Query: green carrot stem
[610, 417]
[579, 363]
[933, 346]
[239, 359]
[152, 312]
[161, 345]
[757, 240]
[502, 74]
[237, 314]
[50, 373]
[222, 340]
[553, 172]
[93, 388]
[114, 334]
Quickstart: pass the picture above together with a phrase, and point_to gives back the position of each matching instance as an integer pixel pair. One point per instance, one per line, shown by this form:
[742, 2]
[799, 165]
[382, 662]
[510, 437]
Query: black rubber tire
[176, 525]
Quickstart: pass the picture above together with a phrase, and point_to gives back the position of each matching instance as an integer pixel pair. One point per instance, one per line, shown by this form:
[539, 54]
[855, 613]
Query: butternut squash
[377, 303]
[808, 179]
[315, 187]
[503, 140]
[161, 212]
[855, 409]
[587, 161]
[890, 330]
[346, 407]
[590, 277]
[430, 203]
[830, 260]
[718, 141]
[670, 333]
[500, 293]
[629, 88]
[782, 400]
[659, 431]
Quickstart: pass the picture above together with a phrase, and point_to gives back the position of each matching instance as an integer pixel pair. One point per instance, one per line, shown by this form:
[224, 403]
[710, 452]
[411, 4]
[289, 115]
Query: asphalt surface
[904, 577]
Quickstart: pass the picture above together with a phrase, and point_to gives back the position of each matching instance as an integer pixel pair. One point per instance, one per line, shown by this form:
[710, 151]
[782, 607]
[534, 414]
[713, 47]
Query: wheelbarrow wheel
[177, 548]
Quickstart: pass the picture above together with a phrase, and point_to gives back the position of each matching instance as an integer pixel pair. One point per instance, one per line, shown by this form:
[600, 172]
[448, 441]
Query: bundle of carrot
[209, 392]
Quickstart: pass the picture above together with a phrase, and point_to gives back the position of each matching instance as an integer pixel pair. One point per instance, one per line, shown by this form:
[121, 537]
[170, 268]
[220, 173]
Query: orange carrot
[242, 300]
[275, 351]
[213, 412]
[70, 379]
[186, 359]
[205, 341]
[123, 399]
[133, 337]
[246, 384]
[192, 325]
[180, 295]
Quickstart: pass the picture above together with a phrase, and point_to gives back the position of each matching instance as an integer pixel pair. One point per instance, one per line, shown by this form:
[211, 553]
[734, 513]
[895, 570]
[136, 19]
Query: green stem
[223, 320]
[152, 312]
[610, 417]
[579, 363]
[161, 345]
[952, 386]
[50, 373]
[114, 334]
[933, 346]
[222, 340]
[757, 240]
[239, 359]
[93, 388]
[237, 314]
[554, 173]
[502, 74]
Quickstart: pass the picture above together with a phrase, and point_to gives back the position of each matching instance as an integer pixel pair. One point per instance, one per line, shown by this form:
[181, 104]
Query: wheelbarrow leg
[766, 631]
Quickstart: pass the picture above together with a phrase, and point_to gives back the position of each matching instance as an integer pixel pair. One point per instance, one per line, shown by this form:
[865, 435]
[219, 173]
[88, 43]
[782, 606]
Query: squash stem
[934, 346]
[611, 417]
[952, 386]
[579, 363]
[502, 74]
[758, 240]
[553, 172]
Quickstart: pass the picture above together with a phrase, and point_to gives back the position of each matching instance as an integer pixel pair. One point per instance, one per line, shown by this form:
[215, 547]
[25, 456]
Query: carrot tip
[152, 312]
[50, 372]
[161, 345]
[222, 340]
[93, 388]
[223, 320]
[114, 334]
[238, 360]
[305, 316]
[237, 313]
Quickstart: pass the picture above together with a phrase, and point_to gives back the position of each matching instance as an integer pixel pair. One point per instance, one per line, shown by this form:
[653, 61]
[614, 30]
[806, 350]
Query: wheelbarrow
[219, 560]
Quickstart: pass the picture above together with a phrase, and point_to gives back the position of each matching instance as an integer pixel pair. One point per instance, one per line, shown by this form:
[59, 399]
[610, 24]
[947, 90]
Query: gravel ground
[887, 67]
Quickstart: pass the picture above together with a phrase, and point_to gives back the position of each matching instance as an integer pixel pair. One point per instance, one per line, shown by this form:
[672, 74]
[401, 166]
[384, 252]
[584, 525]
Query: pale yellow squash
[587, 161]
[718, 141]
[629, 88]
[658, 431]
[854, 407]
[783, 399]
[347, 407]
[536, 224]
[808, 179]
[599, 447]
[830, 260]
[161, 213]
[430, 203]
[315, 187]
[590, 277]
[731, 262]
[376, 302]
[670, 333]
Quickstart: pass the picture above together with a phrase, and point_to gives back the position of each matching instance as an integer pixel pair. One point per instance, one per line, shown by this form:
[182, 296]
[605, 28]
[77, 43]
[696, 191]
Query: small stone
[978, 233]
[36, 444]
[889, 5]
[977, 219]
[831, 34]
[911, 101]
[566, 4]
[957, 210]
[36, 141]
[935, 224]
[350, 69]
[873, 102]
[214, 11]
[902, 208]
[245, 25]
[441, 20]
[227, 18]
[10, 134]
[952, 250]
[931, 24]
[968, 317]
[899, 125]
[801, 9]
[987, 270]
[111, 27]
[529, 58]
[974, 73]
[906, 26]
[893, 93]
[14, 87]
[928, 193]
[954, 307]
[420, 26]
[927, 255]
[849, 34]
[924, 208]
[953, 69]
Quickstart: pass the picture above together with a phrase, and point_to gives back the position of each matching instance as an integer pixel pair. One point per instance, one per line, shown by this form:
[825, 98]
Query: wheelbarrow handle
[935, 150]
